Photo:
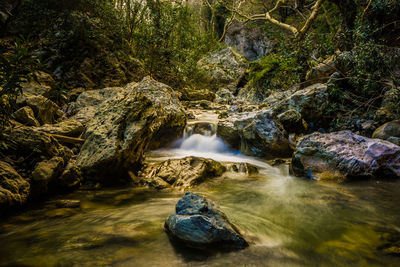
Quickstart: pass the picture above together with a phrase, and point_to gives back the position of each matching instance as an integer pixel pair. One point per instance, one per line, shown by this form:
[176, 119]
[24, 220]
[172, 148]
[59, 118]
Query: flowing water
[289, 221]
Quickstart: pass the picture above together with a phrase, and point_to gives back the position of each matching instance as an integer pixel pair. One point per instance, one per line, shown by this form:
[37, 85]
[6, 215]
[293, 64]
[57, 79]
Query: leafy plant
[16, 67]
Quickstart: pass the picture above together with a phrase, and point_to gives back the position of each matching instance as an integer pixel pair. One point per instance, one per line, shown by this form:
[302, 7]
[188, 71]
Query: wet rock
[45, 173]
[292, 121]
[242, 167]
[14, 190]
[148, 116]
[248, 40]
[67, 127]
[345, 155]
[181, 173]
[25, 116]
[203, 128]
[389, 131]
[222, 69]
[223, 115]
[46, 111]
[255, 133]
[199, 224]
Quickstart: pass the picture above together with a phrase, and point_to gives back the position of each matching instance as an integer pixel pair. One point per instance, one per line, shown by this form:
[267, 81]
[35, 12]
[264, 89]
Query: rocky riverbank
[102, 135]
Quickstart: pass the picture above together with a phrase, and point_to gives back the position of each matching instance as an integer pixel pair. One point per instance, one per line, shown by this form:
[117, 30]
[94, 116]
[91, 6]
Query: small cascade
[200, 140]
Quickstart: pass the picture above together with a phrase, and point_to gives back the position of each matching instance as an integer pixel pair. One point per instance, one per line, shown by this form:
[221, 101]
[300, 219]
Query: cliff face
[248, 40]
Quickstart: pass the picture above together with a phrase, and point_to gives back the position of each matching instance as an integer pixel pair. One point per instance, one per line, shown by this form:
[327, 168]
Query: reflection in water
[288, 221]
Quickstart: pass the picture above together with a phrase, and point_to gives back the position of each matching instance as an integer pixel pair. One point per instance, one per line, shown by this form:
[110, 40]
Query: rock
[224, 96]
[222, 69]
[148, 116]
[203, 128]
[242, 167]
[250, 41]
[199, 224]
[255, 133]
[251, 94]
[39, 87]
[345, 155]
[70, 178]
[46, 111]
[189, 94]
[67, 127]
[181, 173]
[25, 116]
[292, 121]
[321, 72]
[390, 105]
[27, 141]
[45, 173]
[311, 102]
[87, 103]
[14, 190]
[389, 131]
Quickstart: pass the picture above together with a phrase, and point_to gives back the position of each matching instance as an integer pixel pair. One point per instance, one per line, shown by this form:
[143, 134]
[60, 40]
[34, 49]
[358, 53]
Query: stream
[288, 221]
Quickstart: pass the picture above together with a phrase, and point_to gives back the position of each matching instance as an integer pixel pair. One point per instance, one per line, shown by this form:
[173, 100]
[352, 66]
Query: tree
[297, 31]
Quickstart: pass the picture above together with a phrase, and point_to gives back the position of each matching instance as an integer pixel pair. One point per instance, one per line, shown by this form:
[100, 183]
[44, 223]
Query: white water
[207, 146]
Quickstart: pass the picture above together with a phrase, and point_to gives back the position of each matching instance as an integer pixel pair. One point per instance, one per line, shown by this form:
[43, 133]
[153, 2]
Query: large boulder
[199, 224]
[345, 155]
[255, 133]
[88, 102]
[389, 131]
[147, 116]
[67, 127]
[248, 40]
[223, 69]
[311, 102]
[14, 190]
[181, 173]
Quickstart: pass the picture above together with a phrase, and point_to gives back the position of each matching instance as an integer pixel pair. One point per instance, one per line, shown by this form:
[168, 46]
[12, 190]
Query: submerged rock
[14, 190]
[255, 133]
[182, 173]
[199, 224]
[148, 116]
[345, 155]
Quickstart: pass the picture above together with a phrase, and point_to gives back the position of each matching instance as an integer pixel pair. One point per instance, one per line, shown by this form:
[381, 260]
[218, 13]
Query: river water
[288, 221]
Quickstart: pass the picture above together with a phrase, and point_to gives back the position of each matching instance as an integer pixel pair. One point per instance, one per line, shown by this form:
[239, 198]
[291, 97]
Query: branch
[311, 18]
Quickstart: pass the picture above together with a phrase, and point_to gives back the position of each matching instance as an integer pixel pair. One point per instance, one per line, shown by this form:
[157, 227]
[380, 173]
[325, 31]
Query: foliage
[275, 71]
[170, 42]
[15, 68]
